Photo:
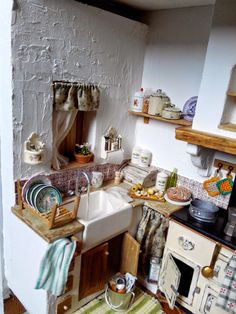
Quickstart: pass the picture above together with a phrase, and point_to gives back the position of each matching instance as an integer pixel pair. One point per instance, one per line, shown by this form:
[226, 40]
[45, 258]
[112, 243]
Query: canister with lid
[138, 101]
[171, 112]
[145, 158]
[161, 181]
[157, 102]
[154, 270]
[136, 153]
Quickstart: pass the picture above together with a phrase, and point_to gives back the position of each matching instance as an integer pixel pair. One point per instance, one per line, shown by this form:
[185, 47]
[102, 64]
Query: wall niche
[82, 131]
[228, 119]
[74, 120]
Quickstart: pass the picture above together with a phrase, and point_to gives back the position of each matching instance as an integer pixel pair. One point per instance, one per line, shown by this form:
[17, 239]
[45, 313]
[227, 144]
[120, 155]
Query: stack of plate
[40, 194]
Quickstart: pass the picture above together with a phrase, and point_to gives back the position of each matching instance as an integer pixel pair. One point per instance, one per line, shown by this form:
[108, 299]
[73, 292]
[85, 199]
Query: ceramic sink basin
[103, 215]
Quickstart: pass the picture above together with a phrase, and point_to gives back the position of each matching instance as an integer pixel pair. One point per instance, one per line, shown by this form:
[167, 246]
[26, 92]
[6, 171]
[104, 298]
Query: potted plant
[82, 154]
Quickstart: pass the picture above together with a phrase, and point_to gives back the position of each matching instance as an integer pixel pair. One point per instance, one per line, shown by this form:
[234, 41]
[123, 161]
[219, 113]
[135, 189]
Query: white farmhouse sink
[103, 215]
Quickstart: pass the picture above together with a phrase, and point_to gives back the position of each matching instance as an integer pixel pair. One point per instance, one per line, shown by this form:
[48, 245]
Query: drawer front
[189, 244]
[64, 305]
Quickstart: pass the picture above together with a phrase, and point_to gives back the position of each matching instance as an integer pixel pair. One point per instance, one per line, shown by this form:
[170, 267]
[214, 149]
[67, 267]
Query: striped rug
[143, 304]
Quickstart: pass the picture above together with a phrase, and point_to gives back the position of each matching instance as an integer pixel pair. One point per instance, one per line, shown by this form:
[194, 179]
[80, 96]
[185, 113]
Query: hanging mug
[97, 179]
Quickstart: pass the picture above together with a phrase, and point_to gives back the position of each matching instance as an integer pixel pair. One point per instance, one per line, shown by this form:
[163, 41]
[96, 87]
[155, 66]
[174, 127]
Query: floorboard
[13, 306]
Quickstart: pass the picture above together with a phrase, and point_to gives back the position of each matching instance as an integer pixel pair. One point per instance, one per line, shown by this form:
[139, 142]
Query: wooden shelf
[148, 116]
[232, 94]
[228, 126]
[220, 143]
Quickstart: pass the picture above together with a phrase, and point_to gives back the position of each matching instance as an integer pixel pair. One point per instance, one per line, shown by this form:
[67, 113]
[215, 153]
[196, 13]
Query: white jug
[97, 179]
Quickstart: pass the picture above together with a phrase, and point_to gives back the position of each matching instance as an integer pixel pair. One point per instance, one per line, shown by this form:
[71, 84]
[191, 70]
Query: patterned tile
[65, 180]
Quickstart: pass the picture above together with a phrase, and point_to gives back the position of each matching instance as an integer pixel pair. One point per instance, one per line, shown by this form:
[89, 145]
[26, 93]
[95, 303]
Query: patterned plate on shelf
[189, 108]
[46, 197]
[36, 179]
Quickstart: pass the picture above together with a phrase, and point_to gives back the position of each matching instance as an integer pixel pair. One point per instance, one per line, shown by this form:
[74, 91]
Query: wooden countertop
[164, 208]
[75, 226]
[42, 229]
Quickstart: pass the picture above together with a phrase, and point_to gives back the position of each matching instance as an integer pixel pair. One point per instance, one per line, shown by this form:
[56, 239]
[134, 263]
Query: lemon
[139, 186]
[134, 188]
[151, 191]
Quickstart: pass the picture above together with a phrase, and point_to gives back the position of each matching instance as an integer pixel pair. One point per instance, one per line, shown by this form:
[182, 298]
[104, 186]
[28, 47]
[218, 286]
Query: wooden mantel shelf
[220, 143]
[148, 116]
[231, 93]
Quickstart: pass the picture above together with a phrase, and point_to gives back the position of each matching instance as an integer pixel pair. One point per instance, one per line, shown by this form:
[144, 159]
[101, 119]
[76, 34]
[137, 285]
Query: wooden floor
[13, 306]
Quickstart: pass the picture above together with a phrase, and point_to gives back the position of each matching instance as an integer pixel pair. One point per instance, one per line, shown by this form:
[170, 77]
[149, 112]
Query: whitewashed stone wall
[66, 40]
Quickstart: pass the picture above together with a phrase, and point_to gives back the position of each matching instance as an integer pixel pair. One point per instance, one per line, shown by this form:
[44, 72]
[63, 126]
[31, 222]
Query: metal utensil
[208, 271]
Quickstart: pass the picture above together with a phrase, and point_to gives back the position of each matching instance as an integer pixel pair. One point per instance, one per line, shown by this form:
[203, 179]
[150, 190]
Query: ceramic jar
[138, 101]
[145, 158]
[97, 179]
[136, 153]
[171, 112]
[161, 181]
[157, 102]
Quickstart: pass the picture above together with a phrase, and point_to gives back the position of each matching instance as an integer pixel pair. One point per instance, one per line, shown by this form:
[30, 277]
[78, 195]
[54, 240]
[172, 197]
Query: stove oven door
[169, 280]
[179, 278]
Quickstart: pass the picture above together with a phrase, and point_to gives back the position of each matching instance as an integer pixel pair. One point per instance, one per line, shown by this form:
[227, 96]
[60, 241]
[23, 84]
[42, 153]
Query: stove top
[214, 231]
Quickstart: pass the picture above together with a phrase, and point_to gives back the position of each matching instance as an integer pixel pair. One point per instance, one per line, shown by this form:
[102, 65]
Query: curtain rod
[72, 83]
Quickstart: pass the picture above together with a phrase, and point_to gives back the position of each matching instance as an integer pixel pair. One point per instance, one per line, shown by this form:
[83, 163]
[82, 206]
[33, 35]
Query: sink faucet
[79, 190]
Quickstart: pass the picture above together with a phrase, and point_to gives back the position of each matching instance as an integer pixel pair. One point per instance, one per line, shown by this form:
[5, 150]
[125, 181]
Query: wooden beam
[228, 126]
[220, 143]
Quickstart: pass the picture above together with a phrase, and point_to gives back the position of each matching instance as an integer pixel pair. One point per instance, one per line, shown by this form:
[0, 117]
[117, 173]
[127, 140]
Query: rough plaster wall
[66, 40]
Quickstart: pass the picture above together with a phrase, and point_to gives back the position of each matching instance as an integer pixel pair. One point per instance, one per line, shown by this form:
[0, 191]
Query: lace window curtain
[69, 98]
[151, 234]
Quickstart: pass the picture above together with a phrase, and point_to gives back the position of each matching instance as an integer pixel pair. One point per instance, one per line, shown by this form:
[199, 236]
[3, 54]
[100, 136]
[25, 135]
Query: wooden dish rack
[57, 216]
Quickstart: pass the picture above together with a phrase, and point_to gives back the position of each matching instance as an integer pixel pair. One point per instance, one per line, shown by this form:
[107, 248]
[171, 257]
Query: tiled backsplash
[65, 181]
[199, 192]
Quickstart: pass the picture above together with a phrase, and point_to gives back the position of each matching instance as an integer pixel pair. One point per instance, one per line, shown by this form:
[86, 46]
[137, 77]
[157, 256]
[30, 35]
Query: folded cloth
[54, 266]
[227, 296]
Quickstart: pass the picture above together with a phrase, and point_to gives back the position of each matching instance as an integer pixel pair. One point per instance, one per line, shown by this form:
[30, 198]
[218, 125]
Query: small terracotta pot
[83, 159]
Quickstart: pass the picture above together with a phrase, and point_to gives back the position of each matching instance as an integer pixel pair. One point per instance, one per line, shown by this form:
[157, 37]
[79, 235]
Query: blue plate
[189, 108]
[46, 197]
[36, 179]
[33, 193]
[28, 194]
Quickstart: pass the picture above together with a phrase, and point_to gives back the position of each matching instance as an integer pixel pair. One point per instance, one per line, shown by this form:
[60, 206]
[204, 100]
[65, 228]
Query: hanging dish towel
[227, 296]
[54, 266]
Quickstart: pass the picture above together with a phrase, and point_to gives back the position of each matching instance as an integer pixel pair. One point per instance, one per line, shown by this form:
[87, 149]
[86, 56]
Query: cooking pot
[203, 211]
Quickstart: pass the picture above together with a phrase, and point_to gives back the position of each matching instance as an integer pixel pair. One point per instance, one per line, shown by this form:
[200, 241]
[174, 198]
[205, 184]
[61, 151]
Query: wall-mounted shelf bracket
[202, 158]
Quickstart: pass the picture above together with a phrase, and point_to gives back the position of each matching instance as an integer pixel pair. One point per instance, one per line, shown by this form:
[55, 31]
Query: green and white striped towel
[54, 266]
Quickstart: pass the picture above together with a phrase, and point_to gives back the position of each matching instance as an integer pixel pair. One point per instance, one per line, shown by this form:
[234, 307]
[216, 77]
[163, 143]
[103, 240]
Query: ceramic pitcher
[97, 179]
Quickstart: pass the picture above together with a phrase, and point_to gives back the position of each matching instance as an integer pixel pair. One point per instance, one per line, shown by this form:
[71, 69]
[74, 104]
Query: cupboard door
[129, 255]
[93, 275]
